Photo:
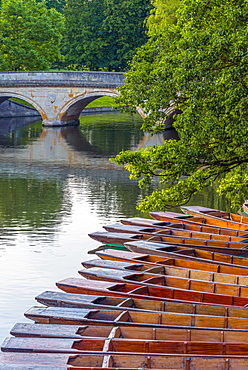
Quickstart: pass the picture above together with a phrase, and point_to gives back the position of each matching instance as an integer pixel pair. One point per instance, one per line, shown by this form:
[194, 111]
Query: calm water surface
[56, 186]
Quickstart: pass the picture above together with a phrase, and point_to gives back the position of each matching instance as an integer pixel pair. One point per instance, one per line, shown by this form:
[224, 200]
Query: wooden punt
[171, 229]
[60, 299]
[151, 292]
[169, 283]
[211, 216]
[187, 273]
[200, 219]
[172, 241]
[190, 254]
[231, 219]
[131, 332]
[40, 361]
[185, 224]
[80, 316]
[110, 346]
[154, 260]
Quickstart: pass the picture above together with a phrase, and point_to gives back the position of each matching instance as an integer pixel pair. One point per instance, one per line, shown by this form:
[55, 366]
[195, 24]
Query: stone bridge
[59, 96]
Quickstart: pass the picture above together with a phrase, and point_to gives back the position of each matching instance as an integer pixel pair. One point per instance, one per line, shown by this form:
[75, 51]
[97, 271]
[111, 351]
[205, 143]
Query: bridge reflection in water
[71, 146]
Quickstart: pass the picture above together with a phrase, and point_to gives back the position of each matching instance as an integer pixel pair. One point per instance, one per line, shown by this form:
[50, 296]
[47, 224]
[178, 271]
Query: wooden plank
[151, 292]
[120, 345]
[132, 257]
[54, 315]
[170, 241]
[167, 282]
[146, 333]
[191, 254]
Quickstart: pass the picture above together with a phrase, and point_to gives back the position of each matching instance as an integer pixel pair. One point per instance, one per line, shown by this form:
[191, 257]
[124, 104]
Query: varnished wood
[76, 316]
[20, 361]
[121, 346]
[107, 288]
[186, 273]
[61, 299]
[232, 219]
[173, 229]
[183, 224]
[169, 282]
[154, 260]
[132, 332]
[172, 241]
[209, 217]
[190, 254]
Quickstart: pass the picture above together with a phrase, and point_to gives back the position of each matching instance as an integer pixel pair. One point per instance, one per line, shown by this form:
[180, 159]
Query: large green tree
[29, 35]
[198, 62]
[84, 41]
[104, 34]
[124, 27]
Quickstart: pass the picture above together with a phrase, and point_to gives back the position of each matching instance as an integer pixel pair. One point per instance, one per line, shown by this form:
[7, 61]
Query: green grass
[105, 101]
[20, 101]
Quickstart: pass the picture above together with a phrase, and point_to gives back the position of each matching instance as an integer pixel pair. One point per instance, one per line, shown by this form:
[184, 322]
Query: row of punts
[169, 292]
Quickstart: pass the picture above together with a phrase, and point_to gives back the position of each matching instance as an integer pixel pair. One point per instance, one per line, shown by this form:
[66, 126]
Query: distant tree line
[71, 34]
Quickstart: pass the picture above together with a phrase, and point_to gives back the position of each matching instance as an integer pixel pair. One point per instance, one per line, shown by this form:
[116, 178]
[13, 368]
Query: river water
[56, 186]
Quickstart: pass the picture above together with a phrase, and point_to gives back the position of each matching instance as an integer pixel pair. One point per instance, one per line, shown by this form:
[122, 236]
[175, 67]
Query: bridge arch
[72, 109]
[7, 95]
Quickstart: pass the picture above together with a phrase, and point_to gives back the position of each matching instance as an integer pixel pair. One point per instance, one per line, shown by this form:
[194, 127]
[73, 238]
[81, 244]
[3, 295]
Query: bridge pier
[59, 97]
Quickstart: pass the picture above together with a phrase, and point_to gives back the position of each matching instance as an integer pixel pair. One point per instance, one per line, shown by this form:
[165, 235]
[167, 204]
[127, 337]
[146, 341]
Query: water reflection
[56, 186]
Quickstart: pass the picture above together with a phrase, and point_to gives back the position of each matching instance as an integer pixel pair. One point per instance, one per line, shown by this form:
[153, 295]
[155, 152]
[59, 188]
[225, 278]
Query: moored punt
[102, 346]
[132, 332]
[183, 224]
[16, 361]
[79, 316]
[170, 241]
[173, 229]
[154, 260]
[60, 299]
[190, 254]
[187, 273]
[200, 219]
[230, 218]
[154, 281]
[151, 292]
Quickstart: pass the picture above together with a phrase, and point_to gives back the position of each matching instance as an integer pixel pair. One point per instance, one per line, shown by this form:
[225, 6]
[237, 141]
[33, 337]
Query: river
[57, 185]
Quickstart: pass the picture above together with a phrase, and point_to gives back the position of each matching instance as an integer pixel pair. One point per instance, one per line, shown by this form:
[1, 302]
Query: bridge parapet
[59, 96]
[61, 78]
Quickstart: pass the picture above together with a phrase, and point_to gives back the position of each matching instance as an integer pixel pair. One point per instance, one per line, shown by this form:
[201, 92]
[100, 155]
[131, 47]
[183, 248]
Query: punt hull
[120, 346]
[61, 299]
[68, 316]
[172, 241]
[154, 260]
[135, 332]
[31, 361]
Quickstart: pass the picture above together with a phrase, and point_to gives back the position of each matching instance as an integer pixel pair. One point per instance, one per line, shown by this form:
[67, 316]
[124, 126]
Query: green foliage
[103, 34]
[198, 62]
[124, 27]
[163, 14]
[29, 35]
[83, 42]
[56, 4]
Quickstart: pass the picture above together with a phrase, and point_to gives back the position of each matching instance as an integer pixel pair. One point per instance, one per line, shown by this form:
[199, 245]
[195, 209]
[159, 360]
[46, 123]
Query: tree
[29, 35]
[103, 34]
[84, 41]
[56, 4]
[124, 27]
[199, 62]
